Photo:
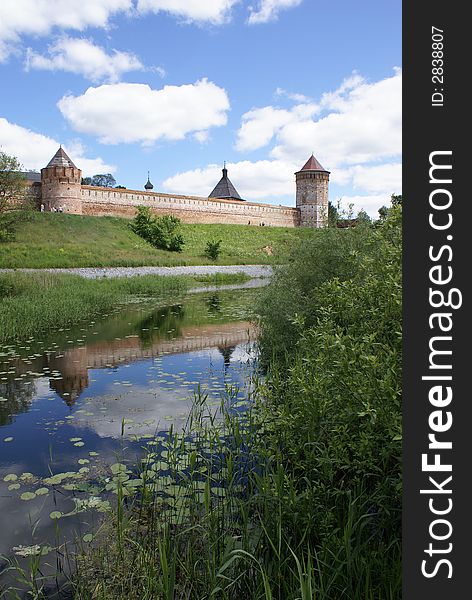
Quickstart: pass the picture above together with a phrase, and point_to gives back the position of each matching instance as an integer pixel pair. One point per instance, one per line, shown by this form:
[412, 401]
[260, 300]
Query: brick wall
[191, 209]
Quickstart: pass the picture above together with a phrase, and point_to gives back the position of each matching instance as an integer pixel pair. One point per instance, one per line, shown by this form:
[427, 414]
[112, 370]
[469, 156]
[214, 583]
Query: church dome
[148, 186]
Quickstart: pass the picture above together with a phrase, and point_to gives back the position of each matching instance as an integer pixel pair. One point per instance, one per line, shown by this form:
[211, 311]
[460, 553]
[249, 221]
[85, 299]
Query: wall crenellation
[61, 189]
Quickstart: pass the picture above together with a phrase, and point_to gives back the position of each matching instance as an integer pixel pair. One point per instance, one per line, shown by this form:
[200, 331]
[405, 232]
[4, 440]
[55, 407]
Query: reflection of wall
[73, 364]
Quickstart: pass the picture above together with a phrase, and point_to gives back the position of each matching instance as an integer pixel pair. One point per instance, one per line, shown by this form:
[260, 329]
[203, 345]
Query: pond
[74, 403]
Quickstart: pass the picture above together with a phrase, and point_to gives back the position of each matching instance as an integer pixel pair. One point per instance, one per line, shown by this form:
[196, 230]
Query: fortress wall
[190, 209]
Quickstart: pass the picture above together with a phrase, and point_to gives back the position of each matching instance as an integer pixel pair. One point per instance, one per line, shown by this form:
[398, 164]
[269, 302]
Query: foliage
[213, 249]
[289, 303]
[332, 409]
[14, 202]
[31, 303]
[103, 180]
[333, 213]
[160, 232]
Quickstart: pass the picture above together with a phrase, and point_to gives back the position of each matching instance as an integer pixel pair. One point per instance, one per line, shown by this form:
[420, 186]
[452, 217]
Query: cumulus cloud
[361, 123]
[358, 123]
[41, 17]
[208, 11]
[268, 10]
[132, 112]
[263, 179]
[260, 125]
[82, 56]
[35, 150]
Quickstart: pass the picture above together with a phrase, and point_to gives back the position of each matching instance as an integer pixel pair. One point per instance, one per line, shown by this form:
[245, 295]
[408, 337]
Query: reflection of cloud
[156, 404]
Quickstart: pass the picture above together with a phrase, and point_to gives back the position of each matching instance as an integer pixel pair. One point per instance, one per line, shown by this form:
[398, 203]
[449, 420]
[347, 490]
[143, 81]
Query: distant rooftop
[32, 176]
[224, 188]
[60, 159]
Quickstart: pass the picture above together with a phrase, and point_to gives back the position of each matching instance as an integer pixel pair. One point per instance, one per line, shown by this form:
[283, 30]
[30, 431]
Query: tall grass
[42, 302]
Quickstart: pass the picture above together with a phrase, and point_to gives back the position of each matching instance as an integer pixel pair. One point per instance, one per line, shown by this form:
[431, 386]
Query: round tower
[312, 194]
[61, 188]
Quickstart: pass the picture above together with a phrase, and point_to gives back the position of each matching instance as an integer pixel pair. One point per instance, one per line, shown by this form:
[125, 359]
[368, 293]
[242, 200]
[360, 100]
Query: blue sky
[178, 86]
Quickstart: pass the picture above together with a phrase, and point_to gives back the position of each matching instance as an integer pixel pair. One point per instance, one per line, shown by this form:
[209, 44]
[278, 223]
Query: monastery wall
[190, 209]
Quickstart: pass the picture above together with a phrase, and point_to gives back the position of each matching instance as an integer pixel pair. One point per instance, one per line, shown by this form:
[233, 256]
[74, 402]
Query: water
[78, 401]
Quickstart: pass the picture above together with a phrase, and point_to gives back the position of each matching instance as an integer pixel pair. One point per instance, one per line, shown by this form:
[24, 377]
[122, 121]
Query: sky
[177, 87]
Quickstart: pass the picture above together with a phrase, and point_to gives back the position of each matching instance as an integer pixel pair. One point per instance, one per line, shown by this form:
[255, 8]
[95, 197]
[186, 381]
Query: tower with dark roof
[148, 185]
[224, 189]
[61, 185]
[312, 194]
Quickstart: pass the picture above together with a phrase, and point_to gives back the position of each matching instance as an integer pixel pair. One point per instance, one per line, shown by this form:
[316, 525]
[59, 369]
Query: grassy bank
[49, 240]
[43, 302]
[300, 498]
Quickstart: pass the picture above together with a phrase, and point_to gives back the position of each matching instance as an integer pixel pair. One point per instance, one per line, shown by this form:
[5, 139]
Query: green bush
[160, 232]
[213, 249]
[332, 405]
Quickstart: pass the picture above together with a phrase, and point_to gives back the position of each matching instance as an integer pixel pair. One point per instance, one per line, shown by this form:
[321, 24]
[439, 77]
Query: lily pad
[10, 477]
[55, 514]
[8, 439]
[27, 496]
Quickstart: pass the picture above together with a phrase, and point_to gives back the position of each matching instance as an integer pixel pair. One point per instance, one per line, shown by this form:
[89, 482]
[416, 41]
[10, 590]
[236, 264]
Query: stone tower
[312, 194]
[61, 185]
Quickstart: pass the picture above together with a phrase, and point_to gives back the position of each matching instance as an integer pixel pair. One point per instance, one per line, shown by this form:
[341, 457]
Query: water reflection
[78, 397]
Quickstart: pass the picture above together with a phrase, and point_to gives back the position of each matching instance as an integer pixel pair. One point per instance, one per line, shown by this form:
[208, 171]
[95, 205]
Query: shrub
[332, 407]
[160, 232]
[213, 249]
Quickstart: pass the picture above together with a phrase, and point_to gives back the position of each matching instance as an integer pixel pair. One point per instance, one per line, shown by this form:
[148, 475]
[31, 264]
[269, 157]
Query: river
[75, 402]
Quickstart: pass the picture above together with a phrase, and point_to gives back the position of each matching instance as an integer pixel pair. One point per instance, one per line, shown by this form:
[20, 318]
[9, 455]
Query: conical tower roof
[60, 159]
[224, 188]
[313, 165]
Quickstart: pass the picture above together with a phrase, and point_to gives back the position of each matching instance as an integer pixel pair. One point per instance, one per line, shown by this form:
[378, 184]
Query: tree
[12, 183]
[396, 199]
[13, 195]
[103, 180]
[213, 249]
[86, 181]
[333, 213]
[160, 232]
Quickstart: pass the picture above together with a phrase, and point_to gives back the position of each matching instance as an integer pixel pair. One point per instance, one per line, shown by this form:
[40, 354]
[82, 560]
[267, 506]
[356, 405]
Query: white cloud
[264, 179]
[268, 10]
[370, 204]
[132, 112]
[35, 150]
[211, 11]
[260, 125]
[41, 17]
[362, 123]
[378, 178]
[292, 96]
[82, 56]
